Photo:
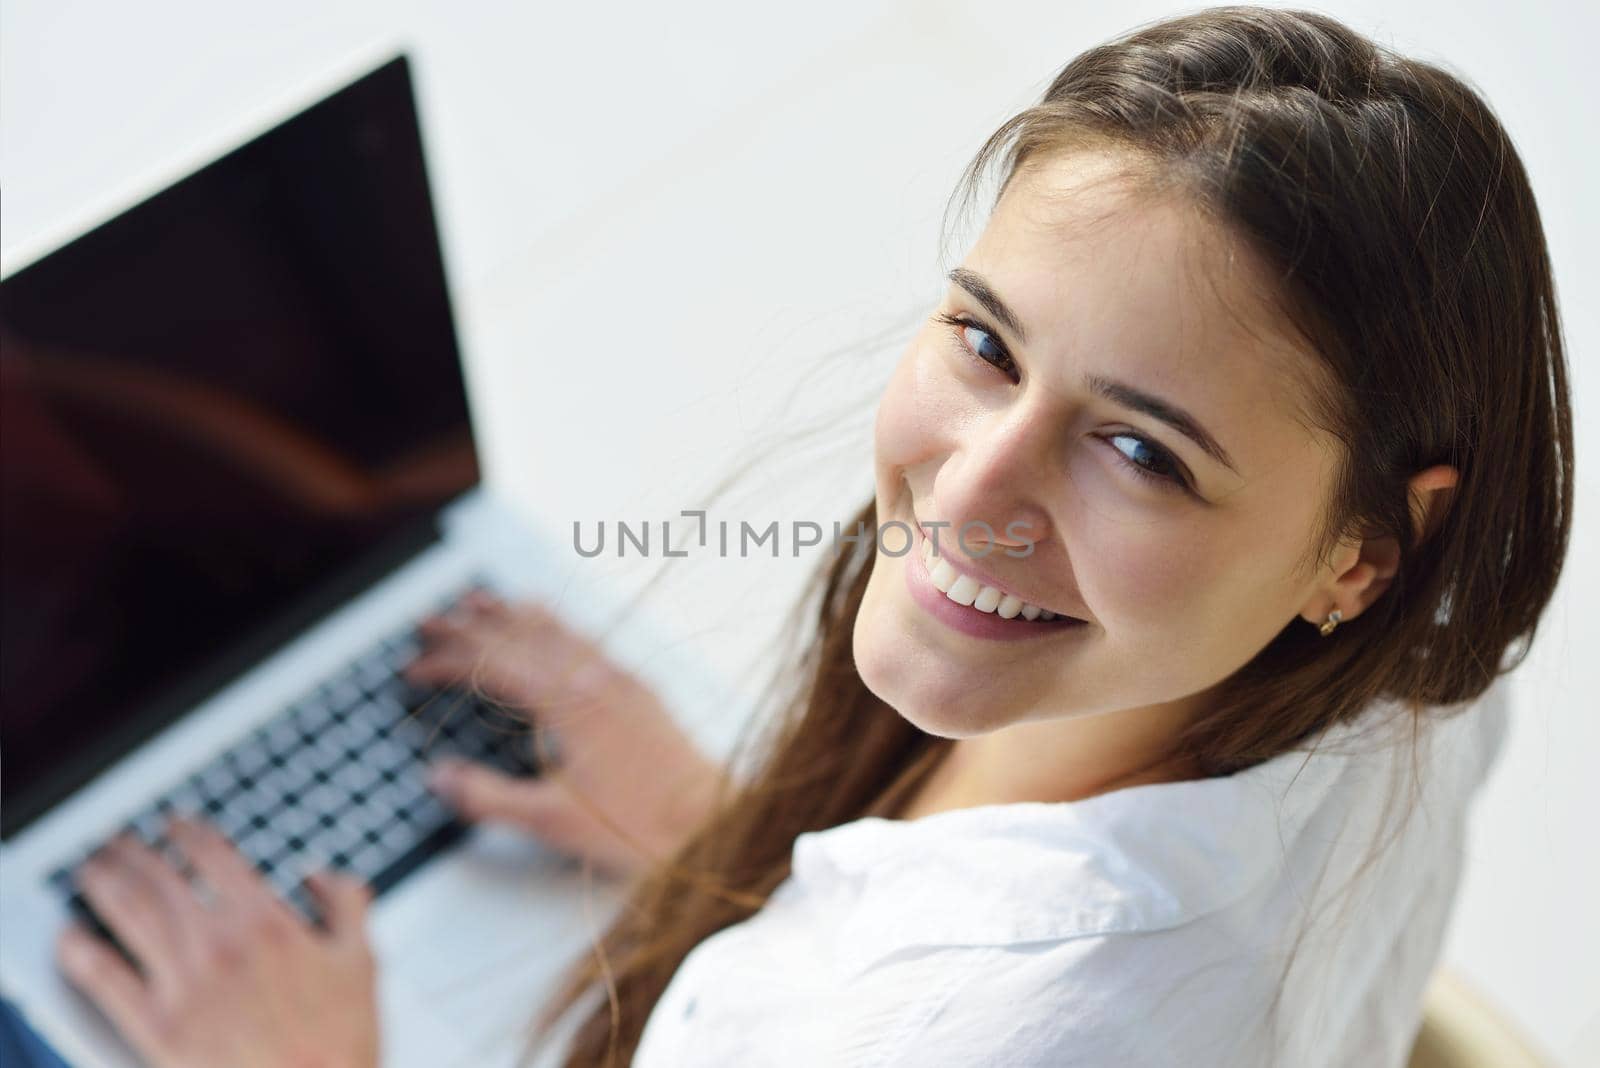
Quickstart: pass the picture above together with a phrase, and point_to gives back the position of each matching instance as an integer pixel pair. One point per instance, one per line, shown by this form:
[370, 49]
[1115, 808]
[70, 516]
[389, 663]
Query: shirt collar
[1142, 858]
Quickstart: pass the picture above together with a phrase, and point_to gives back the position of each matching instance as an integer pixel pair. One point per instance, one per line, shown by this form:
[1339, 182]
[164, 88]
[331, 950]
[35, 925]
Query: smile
[976, 608]
[967, 591]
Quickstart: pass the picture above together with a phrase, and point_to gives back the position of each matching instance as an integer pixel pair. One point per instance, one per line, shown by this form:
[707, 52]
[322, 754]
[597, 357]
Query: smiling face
[1182, 566]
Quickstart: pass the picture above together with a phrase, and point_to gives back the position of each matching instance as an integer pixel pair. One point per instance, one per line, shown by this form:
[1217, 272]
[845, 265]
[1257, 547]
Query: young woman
[1236, 465]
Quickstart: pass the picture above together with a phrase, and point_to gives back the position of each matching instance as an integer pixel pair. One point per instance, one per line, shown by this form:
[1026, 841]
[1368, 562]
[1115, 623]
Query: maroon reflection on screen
[212, 407]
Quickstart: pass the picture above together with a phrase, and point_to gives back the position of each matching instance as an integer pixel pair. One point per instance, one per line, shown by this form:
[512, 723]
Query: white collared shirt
[1152, 925]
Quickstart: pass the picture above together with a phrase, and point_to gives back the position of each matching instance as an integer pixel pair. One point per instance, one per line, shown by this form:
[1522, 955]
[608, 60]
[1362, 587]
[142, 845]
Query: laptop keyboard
[337, 779]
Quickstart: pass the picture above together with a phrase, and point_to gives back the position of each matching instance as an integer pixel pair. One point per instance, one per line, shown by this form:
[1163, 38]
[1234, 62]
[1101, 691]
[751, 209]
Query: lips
[975, 623]
[967, 585]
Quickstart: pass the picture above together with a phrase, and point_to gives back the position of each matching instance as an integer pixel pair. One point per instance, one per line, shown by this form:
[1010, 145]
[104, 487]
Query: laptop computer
[237, 465]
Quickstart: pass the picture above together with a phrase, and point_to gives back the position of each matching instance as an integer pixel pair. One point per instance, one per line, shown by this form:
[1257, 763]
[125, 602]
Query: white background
[661, 219]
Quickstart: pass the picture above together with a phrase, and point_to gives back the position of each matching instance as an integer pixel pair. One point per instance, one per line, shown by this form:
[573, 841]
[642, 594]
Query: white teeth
[964, 591]
[968, 591]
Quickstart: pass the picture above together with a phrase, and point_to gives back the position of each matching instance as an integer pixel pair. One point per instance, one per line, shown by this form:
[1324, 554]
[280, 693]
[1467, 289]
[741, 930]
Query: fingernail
[444, 778]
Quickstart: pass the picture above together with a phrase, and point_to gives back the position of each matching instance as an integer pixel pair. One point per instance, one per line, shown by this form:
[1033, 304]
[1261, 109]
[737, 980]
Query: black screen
[221, 413]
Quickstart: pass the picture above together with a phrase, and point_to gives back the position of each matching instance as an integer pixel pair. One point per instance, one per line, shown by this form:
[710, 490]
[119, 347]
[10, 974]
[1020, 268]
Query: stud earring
[1333, 620]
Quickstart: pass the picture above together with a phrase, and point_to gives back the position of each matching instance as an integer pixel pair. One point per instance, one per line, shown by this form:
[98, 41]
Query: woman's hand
[618, 745]
[240, 980]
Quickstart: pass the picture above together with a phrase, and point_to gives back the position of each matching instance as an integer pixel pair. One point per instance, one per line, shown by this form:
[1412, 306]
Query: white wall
[657, 223]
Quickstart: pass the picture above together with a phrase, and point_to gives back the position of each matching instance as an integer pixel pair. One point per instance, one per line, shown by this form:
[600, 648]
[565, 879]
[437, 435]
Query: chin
[941, 718]
[943, 726]
[908, 680]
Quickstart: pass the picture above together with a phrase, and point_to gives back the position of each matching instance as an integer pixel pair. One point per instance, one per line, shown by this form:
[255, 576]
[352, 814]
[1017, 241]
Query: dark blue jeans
[19, 1046]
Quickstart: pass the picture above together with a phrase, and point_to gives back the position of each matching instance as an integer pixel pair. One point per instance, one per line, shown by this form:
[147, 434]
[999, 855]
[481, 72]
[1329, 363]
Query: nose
[997, 475]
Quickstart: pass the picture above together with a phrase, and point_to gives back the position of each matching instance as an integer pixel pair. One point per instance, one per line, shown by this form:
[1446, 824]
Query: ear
[1366, 567]
[1431, 493]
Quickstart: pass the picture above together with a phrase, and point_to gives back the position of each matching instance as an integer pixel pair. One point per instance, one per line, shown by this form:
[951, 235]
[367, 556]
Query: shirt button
[688, 1008]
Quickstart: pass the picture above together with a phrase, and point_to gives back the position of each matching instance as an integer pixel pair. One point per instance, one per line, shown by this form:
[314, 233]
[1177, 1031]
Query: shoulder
[1126, 999]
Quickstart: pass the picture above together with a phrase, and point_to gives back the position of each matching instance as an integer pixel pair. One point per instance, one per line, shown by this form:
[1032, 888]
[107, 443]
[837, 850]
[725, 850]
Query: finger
[183, 906]
[107, 980]
[455, 657]
[440, 628]
[141, 912]
[457, 641]
[534, 611]
[477, 792]
[485, 601]
[246, 913]
[438, 666]
[235, 881]
[344, 901]
[472, 673]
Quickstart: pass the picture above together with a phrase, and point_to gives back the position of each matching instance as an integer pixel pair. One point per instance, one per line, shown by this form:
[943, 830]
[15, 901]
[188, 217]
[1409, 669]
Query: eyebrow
[974, 284]
[1156, 408]
[1117, 392]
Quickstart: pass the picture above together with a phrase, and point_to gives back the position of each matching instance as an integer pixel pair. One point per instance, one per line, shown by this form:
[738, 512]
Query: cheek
[1136, 557]
[913, 415]
[1147, 573]
[1176, 608]
[1199, 585]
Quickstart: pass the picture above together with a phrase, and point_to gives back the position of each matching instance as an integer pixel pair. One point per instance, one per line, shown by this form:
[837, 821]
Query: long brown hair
[1408, 246]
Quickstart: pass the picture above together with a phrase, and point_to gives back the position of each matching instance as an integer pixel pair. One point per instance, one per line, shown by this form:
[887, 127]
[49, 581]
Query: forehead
[1109, 277]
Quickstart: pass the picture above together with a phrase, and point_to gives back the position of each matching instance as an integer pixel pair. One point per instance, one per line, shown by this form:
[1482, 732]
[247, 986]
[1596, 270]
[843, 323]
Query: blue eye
[1163, 470]
[996, 355]
[987, 348]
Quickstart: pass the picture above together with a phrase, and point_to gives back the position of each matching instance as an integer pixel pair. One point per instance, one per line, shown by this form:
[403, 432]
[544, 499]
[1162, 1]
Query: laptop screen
[221, 413]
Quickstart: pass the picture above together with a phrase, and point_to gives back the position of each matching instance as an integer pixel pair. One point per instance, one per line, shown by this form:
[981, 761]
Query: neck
[1067, 759]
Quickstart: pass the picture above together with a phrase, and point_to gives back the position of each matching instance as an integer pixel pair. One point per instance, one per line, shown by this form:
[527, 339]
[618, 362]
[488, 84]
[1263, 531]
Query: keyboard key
[233, 821]
[343, 837]
[368, 861]
[382, 712]
[217, 780]
[428, 811]
[404, 784]
[250, 760]
[325, 799]
[311, 715]
[185, 799]
[148, 825]
[343, 693]
[285, 878]
[299, 772]
[396, 838]
[325, 752]
[355, 778]
[284, 736]
[373, 671]
[262, 842]
[401, 651]
[351, 733]
[295, 821]
[389, 753]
